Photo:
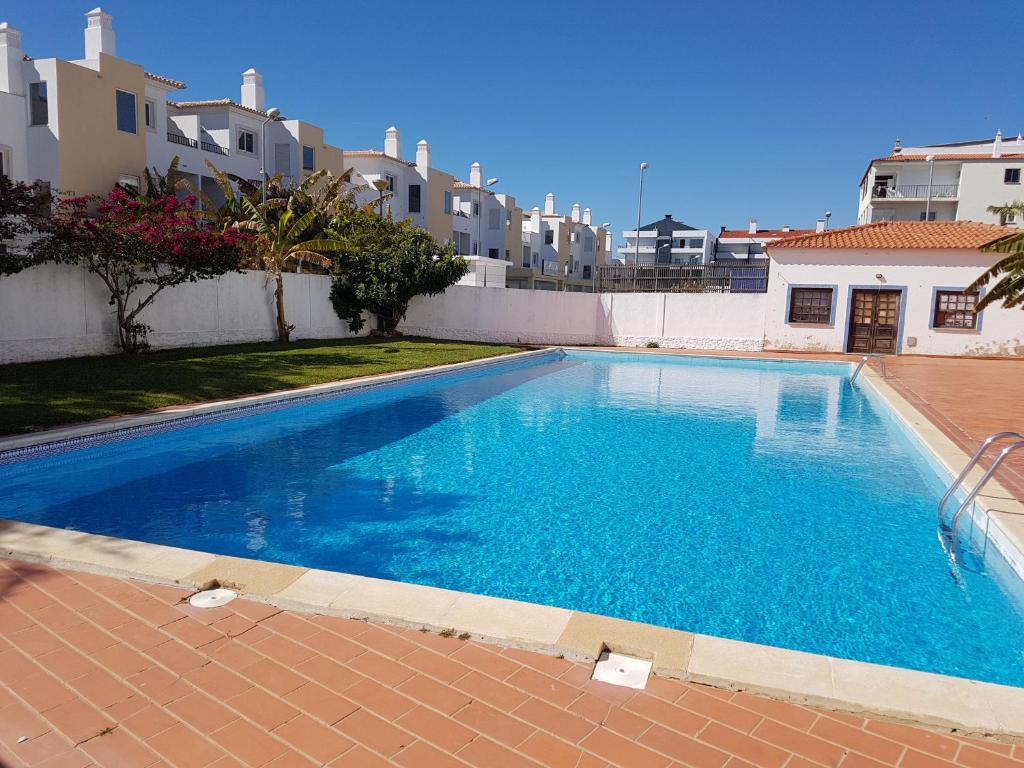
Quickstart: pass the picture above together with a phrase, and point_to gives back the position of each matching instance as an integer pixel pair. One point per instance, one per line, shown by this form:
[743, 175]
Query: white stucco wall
[918, 272]
[55, 311]
[693, 321]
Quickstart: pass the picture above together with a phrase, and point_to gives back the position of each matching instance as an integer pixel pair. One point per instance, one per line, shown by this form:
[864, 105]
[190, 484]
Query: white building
[85, 125]
[943, 182]
[666, 241]
[743, 245]
[887, 287]
[559, 252]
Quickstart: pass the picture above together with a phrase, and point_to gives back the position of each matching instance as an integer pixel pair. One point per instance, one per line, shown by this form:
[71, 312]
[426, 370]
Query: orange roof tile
[901, 158]
[900, 235]
[215, 103]
[763, 234]
[177, 84]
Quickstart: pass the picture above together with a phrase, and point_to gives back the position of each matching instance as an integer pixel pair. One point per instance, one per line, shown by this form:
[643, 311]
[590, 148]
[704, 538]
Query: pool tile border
[967, 706]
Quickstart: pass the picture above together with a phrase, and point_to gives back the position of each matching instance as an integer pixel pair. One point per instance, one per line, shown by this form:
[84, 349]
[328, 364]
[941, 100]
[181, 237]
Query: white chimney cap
[422, 143]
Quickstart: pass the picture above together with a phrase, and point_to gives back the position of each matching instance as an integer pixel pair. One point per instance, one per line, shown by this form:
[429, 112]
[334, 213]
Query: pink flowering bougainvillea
[138, 247]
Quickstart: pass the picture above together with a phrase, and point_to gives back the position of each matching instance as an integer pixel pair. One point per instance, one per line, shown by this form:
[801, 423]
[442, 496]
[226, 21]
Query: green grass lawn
[34, 396]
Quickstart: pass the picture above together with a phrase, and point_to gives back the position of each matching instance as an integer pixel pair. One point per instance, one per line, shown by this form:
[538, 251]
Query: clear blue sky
[763, 109]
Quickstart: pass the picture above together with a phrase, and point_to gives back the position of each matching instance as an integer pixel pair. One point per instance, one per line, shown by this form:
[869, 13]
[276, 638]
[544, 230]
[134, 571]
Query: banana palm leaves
[1008, 273]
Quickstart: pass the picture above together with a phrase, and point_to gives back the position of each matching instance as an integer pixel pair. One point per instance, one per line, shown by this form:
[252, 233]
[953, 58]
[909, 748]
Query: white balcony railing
[551, 269]
[914, 192]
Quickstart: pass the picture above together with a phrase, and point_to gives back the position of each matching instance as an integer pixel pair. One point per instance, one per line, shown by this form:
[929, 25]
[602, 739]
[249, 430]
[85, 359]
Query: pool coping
[940, 701]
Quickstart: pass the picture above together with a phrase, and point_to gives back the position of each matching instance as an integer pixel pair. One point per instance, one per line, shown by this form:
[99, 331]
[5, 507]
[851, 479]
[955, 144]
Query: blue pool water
[763, 501]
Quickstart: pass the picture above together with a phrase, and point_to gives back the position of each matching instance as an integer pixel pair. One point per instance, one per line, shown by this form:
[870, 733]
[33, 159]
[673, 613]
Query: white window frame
[242, 131]
[5, 161]
[392, 181]
[149, 115]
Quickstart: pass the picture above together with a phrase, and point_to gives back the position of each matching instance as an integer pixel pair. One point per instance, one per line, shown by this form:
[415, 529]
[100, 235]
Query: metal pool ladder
[863, 362]
[951, 531]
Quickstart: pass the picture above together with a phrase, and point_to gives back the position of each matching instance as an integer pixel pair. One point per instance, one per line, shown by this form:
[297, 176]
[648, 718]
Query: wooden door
[874, 322]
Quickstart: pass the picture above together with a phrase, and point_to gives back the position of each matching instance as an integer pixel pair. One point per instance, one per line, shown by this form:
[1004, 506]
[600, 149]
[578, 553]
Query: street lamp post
[272, 114]
[380, 185]
[639, 209]
[931, 172]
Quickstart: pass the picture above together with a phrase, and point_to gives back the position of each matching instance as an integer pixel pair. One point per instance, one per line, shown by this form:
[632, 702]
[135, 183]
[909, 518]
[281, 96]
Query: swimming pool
[757, 500]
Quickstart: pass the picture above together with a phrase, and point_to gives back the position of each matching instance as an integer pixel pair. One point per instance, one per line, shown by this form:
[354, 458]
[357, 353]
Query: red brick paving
[99, 671]
[969, 399]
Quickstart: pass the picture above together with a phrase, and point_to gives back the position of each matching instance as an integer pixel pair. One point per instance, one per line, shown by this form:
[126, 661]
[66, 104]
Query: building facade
[559, 252]
[943, 182]
[737, 246]
[666, 242]
[888, 288]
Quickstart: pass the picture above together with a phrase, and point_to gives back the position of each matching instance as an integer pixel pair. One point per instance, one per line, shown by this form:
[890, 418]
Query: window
[1011, 176]
[127, 180]
[447, 202]
[476, 208]
[526, 257]
[39, 106]
[930, 216]
[494, 218]
[696, 243]
[5, 162]
[508, 255]
[309, 162]
[588, 244]
[549, 236]
[574, 237]
[810, 305]
[246, 141]
[954, 309]
[414, 198]
[150, 108]
[535, 259]
[587, 274]
[1007, 218]
[493, 253]
[391, 182]
[476, 248]
[127, 119]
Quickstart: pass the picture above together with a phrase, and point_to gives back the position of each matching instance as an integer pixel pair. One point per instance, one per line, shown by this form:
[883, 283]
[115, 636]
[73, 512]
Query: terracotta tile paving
[99, 671]
[969, 399]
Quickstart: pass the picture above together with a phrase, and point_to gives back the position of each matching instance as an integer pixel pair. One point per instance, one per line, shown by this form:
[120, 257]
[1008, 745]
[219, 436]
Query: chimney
[392, 144]
[11, 57]
[785, 227]
[253, 95]
[535, 219]
[549, 203]
[997, 145]
[586, 216]
[476, 175]
[819, 225]
[422, 154]
[897, 147]
[575, 211]
[752, 228]
[99, 34]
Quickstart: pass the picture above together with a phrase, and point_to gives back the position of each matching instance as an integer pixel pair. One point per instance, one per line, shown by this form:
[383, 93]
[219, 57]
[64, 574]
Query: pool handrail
[970, 465]
[977, 488]
[863, 362]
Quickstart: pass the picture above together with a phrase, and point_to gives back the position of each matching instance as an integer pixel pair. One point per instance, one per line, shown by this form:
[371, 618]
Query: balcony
[217, 149]
[185, 141]
[550, 268]
[628, 249]
[914, 192]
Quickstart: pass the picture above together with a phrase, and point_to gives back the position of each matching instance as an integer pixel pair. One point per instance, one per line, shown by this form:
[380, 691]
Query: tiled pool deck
[102, 671]
[108, 671]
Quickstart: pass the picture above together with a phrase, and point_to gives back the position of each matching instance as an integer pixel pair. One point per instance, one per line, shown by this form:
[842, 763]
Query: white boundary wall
[691, 320]
[54, 311]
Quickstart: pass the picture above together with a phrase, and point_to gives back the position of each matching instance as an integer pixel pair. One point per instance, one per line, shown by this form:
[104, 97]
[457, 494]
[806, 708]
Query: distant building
[943, 182]
[666, 241]
[734, 245]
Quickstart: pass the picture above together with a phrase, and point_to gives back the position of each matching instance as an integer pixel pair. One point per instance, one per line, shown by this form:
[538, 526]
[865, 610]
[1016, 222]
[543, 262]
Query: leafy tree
[22, 208]
[138, 247]
[385, 264]
[282, 237]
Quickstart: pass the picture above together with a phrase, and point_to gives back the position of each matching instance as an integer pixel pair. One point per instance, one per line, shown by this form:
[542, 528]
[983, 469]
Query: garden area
[36, 396]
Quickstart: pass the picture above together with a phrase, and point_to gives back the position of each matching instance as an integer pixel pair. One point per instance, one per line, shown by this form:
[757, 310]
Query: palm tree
[279, 240]
[1014, 210]
[1008, 271]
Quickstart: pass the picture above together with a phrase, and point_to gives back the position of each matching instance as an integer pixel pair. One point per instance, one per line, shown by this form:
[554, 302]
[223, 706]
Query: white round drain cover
[212, 598]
